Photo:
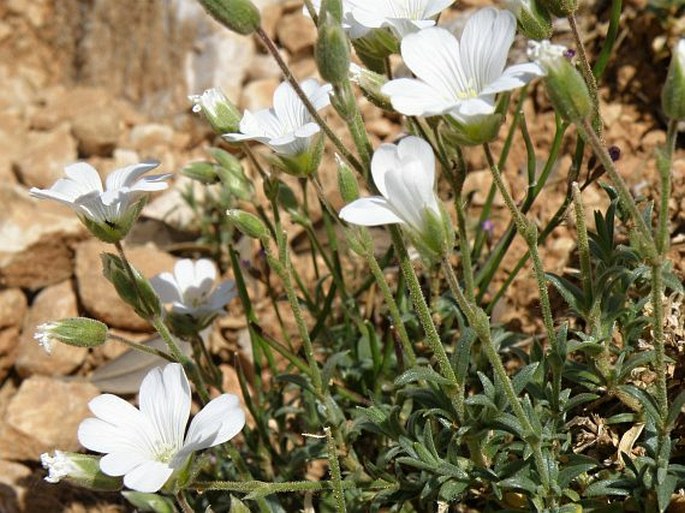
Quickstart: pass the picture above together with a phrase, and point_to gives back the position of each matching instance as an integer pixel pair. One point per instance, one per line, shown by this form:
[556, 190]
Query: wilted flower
[287, 127]
[459, 78]
[401, 16]
[192, 291]
[107, 212]
[405, 176]
[75, 331]
[219, 111]
[147, 445]
[79, 469]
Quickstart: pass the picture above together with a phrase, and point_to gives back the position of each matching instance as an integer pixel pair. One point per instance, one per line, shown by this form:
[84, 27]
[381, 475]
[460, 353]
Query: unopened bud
[371, 83]
[565, 85]
[332, 7]
[560, 8]
[230, 172]
[347, 182]
[79, 469]
[332, 51]
[222, 115]
[248, 223]
[134, 290]
[240, 16]
[76, 331]
[533, 20]
[375, 47]
[673, 93]
[202, 172]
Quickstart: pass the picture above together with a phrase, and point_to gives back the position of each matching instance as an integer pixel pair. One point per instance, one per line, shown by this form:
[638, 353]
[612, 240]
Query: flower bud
[370, 83]
[249, 224]
[478, 130]
[79, 469]
[375, 47]
[230, 171]
[533, 20]
[347, 182]
[137, 292]
[332, 51]
[673, 93]
[76, 331]
[222, 115]
[202, 172]
[240, 16]
[560, 8]
[565, 85]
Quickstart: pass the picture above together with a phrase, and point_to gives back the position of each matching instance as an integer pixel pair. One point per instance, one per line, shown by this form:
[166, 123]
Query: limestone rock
[98, 295]
[45, 156]
[12, 311]
[97, 132]
[36, 421]
[13, 486]
[296, 32]
[38, 239]
[52, 304]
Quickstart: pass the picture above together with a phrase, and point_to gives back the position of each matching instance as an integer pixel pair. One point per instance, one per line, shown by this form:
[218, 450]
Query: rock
[45, 155]
[259, 94]
[52, 304]
[296, 32]
[98, 295]
[12, 310]
[97, 132]
[13, 486]
[38, 238]
[36, 421]
[143, 137]
[478, 183]
[13, 140]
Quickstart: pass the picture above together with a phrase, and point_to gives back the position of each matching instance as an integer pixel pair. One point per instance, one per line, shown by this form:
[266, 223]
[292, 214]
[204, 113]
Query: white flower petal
[514, 77]
[84, 176]
[485, 43]
[119, 463]
[148, 477]
[223, 293]
[289, 109]
[416, 98]
[415, 148]
[410, 191]
[127, 176]
[433, 55]
[384, 159]
[220, 420]
[166, 287]
[371, 211]
[165, 400]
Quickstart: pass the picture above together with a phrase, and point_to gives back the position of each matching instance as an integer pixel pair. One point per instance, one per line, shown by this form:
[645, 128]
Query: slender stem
[180, 498]
[466, 264]
[336, 476]
[479, 321]
[342, 149]
[624, 195]
[529, 232]
[141, 347]
[426, 320]
[664, 164]
[583, 242]
[264, 488]
[346, 105]
[609, 40]
[659, 342]
[391, 304]
[586, 70]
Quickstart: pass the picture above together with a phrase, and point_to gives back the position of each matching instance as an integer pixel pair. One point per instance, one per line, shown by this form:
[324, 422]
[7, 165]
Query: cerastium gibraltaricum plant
[437, 407]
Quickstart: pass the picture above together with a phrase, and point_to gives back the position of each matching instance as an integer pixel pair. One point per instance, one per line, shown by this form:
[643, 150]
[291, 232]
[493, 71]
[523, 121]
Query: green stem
[425, 318]
[583, 243]
[664, 165]
[390, 303]
[588, 75]
[342, 149]
[141, 347]
[479, 321]
[264, 489]
[624, 195]
[336, 476]
[609, 40]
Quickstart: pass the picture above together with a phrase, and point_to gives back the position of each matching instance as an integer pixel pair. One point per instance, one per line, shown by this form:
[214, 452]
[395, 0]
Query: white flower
[58, 466]
[147, 445]
[43, 335]
[459, 78]
[217, 108]
[112, 209]
[405, 176]
[191, 288]
[287, 127]
[545, 53]
[402, 16]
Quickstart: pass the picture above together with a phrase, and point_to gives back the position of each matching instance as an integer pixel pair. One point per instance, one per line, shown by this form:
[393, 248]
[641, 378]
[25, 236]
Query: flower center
[165, 451]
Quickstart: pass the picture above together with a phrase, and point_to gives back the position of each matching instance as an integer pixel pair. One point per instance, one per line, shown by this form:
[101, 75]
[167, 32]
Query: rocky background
[107, 82]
